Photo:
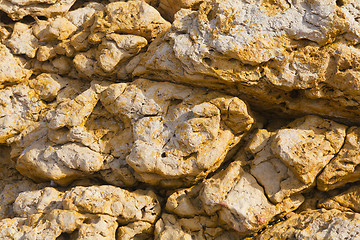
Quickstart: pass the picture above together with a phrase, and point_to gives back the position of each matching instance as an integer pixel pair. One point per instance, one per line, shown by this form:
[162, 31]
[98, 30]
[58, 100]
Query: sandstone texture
[179, 119]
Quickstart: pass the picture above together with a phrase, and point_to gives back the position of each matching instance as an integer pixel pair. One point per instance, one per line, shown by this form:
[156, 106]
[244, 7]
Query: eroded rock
[288, 160]
[316, 224]
[48, 8]
[180, 134]
[343, 168]
[278, 55]
[236, 197]
[11, 68]
[348, 200]
[82, 213]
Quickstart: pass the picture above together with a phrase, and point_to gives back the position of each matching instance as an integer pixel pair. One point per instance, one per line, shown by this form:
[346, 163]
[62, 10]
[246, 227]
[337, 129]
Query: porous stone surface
[284, 56]
[343, 168]
[179, 119]
[316, 224]
[81, 213]
[235, 197]
[288, 160]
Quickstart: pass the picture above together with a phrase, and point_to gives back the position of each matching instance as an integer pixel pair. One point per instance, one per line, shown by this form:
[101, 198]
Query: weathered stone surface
[20, 107]
[136, 230]
[316, 224]
[86, 99]
[297, 57]
[132, 17]
[141, 205]
[9, 193]
[23, 41]
[168, 8]
[198, 227]
[95, 40]
[348, 200]
[235, 197]
[62, 164]
[82, 213]
[343, 168]
[48, 8]
[288, 160]
[11, 68]
[180, 134]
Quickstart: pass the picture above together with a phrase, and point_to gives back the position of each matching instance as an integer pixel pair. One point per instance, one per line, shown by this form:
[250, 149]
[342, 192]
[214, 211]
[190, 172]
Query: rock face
[179, 119]
[93, 211]
[318, 224]
[287, 161]
[342, 169]
[279, 55]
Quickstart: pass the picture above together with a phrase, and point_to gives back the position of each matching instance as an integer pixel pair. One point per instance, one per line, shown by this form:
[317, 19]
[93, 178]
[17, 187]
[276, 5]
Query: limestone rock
[23, 41]
[80, 15]
[316, 224]
[17, 9]
[32, 202]
[126, 206]
[74, 112]
[82, 213]
[168, 8]
[58, 28]
[278, 55]
[132, 17]
[46, 86]
[180, 134]
[135, 230]
[20, 107]
[288, 160]
[235, 197]
[343, 168]
[9, 194]
[312, 138]
[98, 227]
[348, 200]
[198, 227]
[116, 48]
[68, 162]
[11, 68]
[4, 34]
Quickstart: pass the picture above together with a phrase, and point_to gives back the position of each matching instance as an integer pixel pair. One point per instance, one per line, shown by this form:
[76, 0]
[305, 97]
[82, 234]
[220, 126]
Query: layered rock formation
[179, 119]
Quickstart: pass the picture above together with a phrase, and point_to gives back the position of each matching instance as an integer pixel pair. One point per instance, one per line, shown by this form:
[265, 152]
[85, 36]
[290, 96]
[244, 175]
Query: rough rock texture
[316, 224]
[145, 130]
[293, 56]
[235, 197]
[287, 161]
[343, 168]
[179, 119]
[179, 134]
[81, 212]
[348, 200]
